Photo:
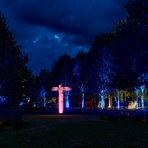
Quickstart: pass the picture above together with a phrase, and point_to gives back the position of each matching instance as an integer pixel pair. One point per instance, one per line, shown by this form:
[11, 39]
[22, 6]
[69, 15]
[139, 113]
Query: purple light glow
[61, 90]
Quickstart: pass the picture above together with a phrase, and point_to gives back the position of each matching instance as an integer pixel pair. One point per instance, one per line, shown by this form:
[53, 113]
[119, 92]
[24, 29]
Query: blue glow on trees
[102, 102]
[102, 95]
[118, 99]
[83, 102]
[66, 97]
[43, 94]
[67, 100]
[79, 72]
[137, 92]
[82, 89]
[3, 99]
[105, 73]
[143, 79]
[142, 97]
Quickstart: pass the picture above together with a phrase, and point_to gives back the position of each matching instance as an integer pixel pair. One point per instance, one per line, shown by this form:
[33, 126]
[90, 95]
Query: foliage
[14, 73]
[62, 71]
[116, 60]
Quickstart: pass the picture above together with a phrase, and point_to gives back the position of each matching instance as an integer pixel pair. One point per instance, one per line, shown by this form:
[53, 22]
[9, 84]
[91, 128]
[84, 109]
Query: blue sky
[46, 29]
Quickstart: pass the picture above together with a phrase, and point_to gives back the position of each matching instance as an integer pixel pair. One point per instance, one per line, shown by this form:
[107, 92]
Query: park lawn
[74, 131]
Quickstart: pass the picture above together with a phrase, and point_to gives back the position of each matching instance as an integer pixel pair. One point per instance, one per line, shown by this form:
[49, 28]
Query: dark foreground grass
[74, 131]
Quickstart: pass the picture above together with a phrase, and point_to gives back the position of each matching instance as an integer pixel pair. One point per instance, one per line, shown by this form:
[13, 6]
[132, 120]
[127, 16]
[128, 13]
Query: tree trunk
[67, 100]
[118, 99]
[109, 101]
[102, 102]
[83, 100]
[137, 92]
[142, 97]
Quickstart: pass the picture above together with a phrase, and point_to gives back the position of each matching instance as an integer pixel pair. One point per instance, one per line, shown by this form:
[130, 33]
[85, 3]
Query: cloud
[79, 17]
[48, 28]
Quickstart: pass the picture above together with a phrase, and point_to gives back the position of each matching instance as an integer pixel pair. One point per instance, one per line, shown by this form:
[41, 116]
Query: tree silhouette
[62, 70]
[14, 74]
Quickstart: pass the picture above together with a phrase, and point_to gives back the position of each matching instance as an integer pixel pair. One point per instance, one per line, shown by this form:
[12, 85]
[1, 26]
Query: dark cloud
[86, 17]
[49, 28]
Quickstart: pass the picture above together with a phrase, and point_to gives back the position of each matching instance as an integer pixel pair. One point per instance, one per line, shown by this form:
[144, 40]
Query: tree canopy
[13, 65]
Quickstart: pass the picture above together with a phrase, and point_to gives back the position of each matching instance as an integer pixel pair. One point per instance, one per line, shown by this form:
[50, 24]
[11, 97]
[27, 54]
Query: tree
[130, 47]
[13, 65]
[43, 86]
[101, 70]
[80, 75]
[62, 70]
[62, 74]
[44, 79]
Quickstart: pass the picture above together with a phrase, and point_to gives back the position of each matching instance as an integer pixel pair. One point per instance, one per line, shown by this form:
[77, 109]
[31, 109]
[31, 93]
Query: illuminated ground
[62, 131]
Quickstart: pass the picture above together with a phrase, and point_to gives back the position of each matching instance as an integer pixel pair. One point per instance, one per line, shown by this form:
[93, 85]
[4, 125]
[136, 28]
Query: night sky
[47, 29]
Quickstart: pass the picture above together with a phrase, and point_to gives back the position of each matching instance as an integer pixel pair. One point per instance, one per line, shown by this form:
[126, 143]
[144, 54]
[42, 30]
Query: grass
[74, 131]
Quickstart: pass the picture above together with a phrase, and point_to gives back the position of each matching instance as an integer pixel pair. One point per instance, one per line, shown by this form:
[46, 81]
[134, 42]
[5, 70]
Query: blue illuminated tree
[101, 71]
[79, 75]
[105, 75]
[143, 80]
[130, 47]
[42, 87]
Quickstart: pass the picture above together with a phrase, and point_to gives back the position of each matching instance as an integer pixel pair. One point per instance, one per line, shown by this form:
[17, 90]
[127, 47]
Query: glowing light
[109, 103]
[43, 94]
[83, 101]
[132, 105]
[61, 90]
[118, 99]
[102, 102]
[137, 92]
[142, 97]
[67, 100]
[82, 89]
[102, 94]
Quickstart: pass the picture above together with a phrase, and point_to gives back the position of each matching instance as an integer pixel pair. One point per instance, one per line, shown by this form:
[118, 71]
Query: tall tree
[131, 44]
[130, 47]
[13, 68]
[62, 74]
[43, 86]
[100, 66]
[80, 69]
[62, 70]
